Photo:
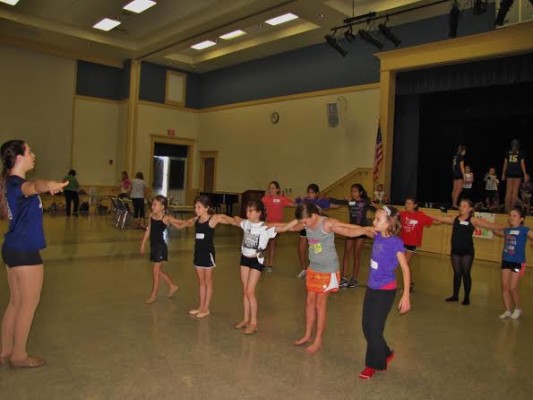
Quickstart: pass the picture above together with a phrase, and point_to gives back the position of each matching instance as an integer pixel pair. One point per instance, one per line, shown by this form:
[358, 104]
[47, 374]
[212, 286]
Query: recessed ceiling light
[281, 19]
[10, 2]
[321, 15]
[232, 35]
[203, 45]
[138, 6]
[106, 24]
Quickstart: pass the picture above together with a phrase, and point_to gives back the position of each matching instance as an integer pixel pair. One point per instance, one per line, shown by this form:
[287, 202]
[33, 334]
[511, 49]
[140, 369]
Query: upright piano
[221, 198]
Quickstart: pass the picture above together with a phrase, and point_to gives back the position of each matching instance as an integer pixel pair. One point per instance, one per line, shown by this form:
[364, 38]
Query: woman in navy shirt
[21, 204]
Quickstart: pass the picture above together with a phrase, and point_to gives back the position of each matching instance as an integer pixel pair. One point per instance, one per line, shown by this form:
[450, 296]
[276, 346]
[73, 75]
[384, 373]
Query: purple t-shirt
[384, 261]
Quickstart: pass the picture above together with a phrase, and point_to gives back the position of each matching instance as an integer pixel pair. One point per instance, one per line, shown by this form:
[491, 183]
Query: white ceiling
[164, 33]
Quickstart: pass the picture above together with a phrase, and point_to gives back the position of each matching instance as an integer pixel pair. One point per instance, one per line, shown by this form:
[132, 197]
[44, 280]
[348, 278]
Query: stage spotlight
[387, 32]
[505, 5]
[367, 37]
[333, 43]
[349, 36]
[480, 7]
[453, 20]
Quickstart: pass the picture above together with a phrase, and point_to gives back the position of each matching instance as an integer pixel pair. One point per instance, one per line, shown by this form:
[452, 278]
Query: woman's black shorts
[13, 258]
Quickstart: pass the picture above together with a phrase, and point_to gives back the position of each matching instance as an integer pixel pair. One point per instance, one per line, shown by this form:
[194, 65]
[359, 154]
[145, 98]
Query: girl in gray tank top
[323, 272]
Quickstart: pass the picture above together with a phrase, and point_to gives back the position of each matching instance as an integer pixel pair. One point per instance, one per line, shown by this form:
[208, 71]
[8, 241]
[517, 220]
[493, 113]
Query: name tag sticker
[351, 203]
[373, 264]
[276, 200]
[464, 223]
[514, 232]
[200, 235]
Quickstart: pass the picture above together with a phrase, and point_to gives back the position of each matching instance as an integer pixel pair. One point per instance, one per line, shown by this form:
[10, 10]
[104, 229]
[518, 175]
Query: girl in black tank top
[157, 226]
[462, 243]
[204, 250]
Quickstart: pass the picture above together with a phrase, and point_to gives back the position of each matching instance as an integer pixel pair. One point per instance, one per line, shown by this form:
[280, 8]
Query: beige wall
[97, 130]
[301, 148]
[36, 104]
[156, 120]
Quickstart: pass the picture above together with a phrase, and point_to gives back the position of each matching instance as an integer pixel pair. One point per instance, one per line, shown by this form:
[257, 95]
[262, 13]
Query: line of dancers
[395, 234]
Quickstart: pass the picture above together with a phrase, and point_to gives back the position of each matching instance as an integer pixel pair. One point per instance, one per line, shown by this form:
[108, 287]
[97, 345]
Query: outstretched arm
[349, 230]
[444, 220]
[29, 188]
[405, 302]
[221, 219]
[292, 226]
[180, 223]
[481, 223]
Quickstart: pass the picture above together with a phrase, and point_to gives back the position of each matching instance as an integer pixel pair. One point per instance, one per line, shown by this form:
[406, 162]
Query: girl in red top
[274, 202]
[413, 223]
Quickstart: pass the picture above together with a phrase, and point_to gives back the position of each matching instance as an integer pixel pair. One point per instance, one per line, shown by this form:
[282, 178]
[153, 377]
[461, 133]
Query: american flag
[378, 156]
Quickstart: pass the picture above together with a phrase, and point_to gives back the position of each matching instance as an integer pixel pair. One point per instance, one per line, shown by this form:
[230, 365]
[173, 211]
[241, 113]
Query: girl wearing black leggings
[462, 253]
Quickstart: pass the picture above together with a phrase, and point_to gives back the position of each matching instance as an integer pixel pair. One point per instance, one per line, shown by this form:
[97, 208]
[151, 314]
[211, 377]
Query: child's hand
[405, 304]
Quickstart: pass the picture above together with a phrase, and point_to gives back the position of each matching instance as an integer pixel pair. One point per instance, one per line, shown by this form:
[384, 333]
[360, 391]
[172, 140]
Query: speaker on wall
[333, 114]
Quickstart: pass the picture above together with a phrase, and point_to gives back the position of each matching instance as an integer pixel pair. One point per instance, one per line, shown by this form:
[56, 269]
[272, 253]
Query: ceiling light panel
[203, 45]
[282, 19]
[10, 2]
[138, 6]
[106, 24]
[233, 35]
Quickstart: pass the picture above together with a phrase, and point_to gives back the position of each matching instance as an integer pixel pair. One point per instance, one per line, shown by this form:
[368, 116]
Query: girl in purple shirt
[387, 253]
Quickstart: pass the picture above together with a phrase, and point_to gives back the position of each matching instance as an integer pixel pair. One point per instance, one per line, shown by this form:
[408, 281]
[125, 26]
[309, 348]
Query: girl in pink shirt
[274, 202]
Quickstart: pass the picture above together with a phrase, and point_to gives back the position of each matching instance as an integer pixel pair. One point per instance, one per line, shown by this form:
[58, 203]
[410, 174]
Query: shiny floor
[102, 342]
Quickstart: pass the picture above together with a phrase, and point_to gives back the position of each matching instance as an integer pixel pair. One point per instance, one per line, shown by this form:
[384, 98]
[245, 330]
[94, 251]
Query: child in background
[358, 206]
[379, 194]
[491, 189]
[157, 225]
[525, 193]
[387, 253]
[513, 261]
[467, 192]
[323, 272]
[413, 223]
[274, 202]
[204, 249]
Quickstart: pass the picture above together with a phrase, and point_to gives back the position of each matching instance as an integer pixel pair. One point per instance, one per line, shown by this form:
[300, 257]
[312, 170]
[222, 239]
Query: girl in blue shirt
[513, 261]
[20, 203]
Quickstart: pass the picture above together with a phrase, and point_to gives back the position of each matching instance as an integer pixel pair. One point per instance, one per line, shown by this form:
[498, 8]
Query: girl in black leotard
[204, 249]
[462, 253]
[158, 223]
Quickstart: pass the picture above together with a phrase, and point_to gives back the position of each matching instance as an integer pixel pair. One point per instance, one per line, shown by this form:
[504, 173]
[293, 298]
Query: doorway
[172, 168]
[208, 171]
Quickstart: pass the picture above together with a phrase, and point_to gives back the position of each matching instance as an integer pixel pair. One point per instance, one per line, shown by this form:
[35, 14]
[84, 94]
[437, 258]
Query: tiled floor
[102, 342]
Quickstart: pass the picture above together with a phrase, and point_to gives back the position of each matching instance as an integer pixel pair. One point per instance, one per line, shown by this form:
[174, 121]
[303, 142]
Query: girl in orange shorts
[323, 271]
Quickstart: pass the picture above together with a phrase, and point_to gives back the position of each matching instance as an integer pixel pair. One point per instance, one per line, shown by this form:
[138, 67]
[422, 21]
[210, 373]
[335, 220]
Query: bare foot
[4, 360]
[314, 347]
[29, 362]
[151, 300]
[172, 290]
[241, 324]
[194, 312]
[250, 329]
[202, 314]
[304, 340]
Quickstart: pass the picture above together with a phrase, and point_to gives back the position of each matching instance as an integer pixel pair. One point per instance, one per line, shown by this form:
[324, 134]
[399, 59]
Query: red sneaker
[389, 358]
[367, 373]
